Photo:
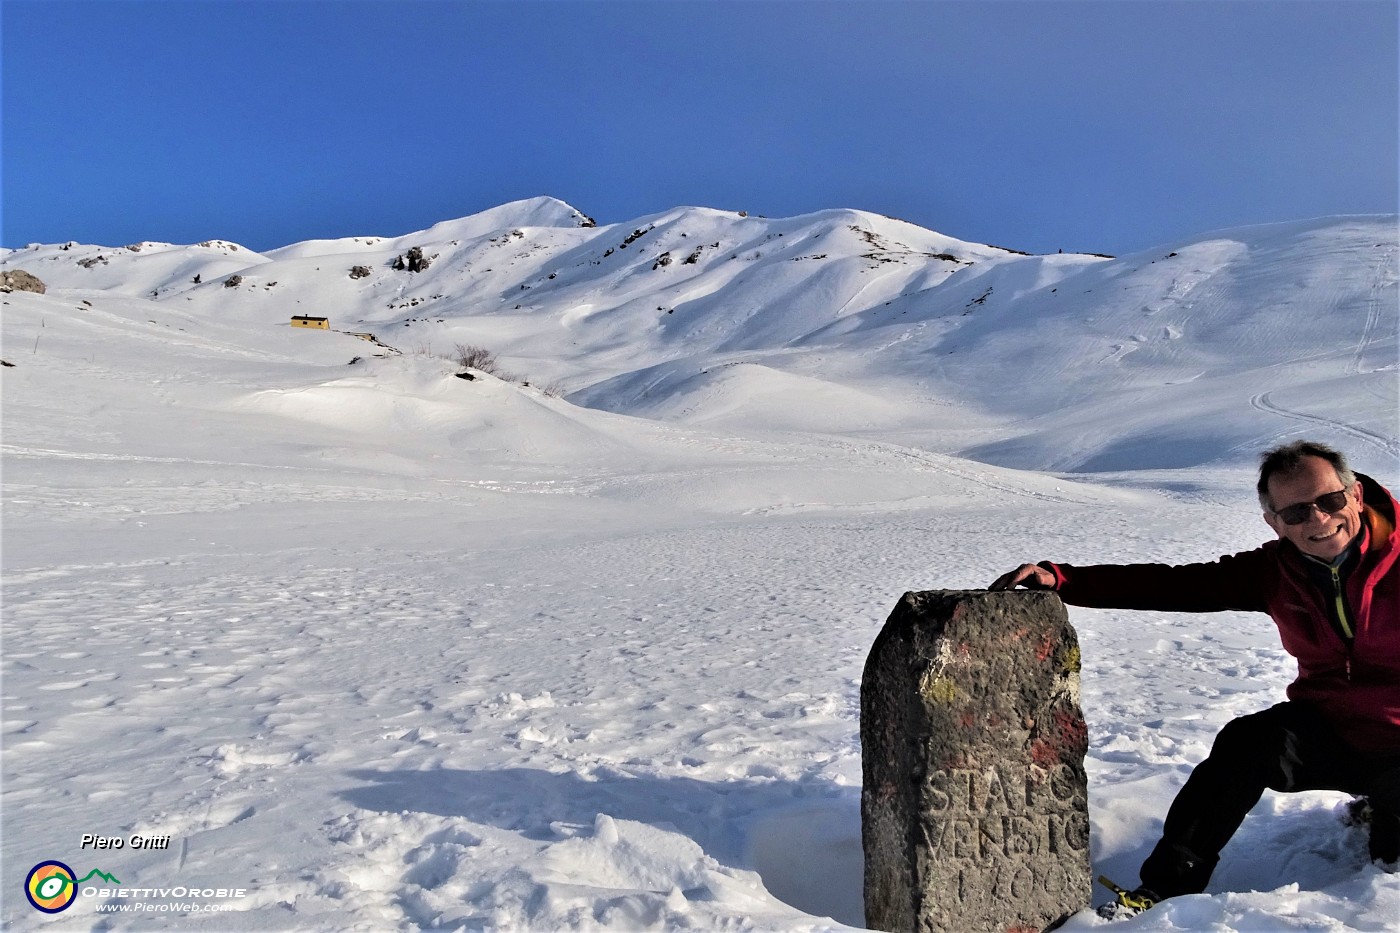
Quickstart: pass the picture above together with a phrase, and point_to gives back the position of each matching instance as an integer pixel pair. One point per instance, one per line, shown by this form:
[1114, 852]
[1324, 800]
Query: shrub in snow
[474, 357]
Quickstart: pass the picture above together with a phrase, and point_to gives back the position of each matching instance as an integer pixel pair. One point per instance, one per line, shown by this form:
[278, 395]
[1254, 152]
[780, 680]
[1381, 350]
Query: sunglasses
[1330, 503]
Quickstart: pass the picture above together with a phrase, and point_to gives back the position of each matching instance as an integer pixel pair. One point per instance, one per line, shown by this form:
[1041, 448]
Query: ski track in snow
[1388, 445]
[1383, 278]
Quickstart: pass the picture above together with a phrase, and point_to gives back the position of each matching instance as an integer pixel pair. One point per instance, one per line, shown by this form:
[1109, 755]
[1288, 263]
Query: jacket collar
[1379, 511]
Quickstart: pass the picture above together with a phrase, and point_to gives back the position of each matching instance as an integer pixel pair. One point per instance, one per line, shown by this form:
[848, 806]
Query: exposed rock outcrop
[413, 260]
[17, 280]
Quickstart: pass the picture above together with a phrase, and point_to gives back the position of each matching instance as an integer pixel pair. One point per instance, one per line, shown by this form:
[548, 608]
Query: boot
[1172, 870]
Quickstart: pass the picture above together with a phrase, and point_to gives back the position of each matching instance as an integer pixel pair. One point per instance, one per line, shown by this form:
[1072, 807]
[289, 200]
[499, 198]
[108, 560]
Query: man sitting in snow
[1331, 582]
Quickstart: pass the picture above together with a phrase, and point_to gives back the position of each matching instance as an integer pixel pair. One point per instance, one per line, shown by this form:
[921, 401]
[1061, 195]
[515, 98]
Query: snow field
[393, 650]
[443, 736]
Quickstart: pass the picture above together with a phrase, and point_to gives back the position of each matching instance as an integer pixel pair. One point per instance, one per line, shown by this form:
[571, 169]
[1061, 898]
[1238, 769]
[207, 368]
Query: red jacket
[1357, 686]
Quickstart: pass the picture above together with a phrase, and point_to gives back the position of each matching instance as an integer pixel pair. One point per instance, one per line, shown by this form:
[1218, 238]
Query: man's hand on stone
[1031, 576]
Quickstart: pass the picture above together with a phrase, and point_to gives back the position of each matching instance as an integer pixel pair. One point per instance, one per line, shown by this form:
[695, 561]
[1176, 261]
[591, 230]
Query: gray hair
[1288, 459]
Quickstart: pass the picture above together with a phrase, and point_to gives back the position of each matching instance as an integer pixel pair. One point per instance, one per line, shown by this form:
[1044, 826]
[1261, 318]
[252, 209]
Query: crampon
[1127, 903]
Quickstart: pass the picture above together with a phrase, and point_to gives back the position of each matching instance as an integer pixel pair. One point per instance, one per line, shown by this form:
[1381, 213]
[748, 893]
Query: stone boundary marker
[974, 809]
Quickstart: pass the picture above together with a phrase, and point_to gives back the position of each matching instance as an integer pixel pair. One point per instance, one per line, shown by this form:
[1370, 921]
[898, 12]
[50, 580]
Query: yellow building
[301, 320]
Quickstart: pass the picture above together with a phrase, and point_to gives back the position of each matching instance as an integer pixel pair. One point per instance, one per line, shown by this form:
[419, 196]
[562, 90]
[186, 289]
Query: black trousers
[1286, 748]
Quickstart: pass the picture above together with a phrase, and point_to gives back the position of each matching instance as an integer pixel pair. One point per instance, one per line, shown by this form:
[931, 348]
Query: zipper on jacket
[1341, 606]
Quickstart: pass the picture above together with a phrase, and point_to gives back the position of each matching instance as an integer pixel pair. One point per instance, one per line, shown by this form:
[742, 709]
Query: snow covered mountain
[385, 648]
[706, 316]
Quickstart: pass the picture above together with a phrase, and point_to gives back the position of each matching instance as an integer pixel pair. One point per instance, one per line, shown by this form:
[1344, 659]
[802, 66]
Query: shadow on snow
[802, 838]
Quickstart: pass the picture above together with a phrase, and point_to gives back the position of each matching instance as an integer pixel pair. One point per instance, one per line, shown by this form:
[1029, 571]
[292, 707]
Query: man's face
[1322, 535]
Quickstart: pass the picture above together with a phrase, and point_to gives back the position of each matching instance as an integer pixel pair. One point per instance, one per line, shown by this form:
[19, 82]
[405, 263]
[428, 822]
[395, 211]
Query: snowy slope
[1260, 330]
[390, 649]
[138, 269]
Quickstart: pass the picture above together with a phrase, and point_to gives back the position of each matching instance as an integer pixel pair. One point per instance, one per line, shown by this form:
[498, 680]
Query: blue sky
[1094, 126]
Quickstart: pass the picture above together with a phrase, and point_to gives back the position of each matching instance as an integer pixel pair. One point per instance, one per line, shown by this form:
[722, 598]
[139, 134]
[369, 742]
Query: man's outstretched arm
[1239, 581]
